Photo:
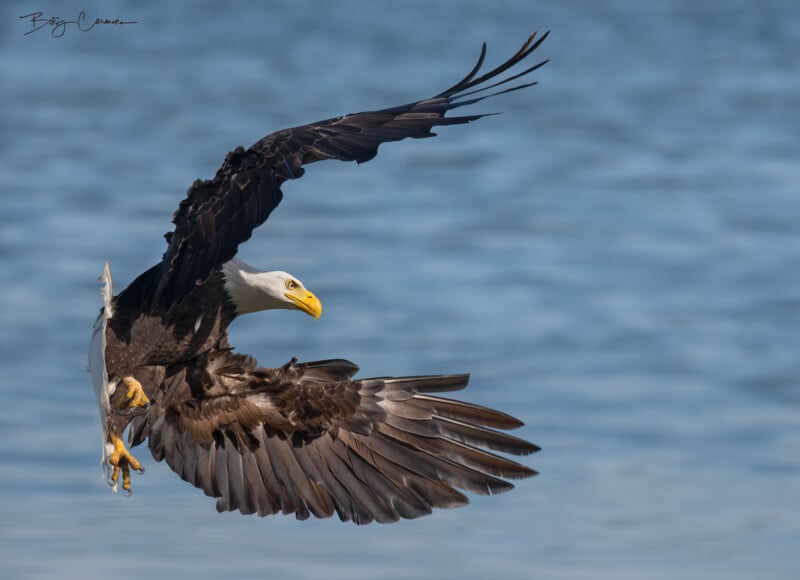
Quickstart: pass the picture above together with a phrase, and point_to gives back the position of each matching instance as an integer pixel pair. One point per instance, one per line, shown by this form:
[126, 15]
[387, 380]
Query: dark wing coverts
[219, 214]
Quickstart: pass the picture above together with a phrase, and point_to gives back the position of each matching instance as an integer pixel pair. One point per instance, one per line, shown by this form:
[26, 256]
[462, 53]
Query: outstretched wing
[306, 439]
[219, 214]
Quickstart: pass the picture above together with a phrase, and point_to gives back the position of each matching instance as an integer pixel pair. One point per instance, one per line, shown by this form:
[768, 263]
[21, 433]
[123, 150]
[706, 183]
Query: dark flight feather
[219, 214]
[400, 457]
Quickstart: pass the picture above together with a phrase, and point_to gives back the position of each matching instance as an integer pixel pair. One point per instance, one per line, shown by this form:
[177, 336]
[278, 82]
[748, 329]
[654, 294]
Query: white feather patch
[97, 367]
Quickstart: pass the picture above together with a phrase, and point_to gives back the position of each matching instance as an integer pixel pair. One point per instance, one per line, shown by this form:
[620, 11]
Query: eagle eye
[291, 284]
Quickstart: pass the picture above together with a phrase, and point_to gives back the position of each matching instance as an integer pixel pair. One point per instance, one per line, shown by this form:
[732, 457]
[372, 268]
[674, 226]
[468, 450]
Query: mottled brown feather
[304, 439]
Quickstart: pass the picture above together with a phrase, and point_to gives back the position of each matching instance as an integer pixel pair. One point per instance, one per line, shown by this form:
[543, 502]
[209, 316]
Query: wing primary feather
[522, 53]
[497, 84]
[417, 494]
[307, 492]
[323, 501]
[355, 508]
[400, 450]
[466, 411]
[484, 437]
[430, 441]
[344, 503]
[388, 480]
[463, 82]
[374, 506]
[220, 214]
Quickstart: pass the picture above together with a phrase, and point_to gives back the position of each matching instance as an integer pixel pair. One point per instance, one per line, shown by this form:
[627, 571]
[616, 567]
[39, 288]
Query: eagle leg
[122, 461]
[135, 397]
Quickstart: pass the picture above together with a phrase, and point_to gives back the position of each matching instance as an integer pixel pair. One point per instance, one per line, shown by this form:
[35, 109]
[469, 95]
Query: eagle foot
[135, 397]
[122, 461]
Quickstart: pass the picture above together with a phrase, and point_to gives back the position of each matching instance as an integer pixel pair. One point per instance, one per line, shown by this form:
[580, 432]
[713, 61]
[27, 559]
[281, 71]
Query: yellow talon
[122, 460]
[135, 396]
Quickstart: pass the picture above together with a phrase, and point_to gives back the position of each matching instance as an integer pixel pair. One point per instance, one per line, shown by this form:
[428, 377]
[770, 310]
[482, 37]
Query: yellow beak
[307, 302]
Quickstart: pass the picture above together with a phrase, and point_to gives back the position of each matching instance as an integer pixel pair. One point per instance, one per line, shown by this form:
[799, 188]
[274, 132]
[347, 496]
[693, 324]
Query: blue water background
[615, 259]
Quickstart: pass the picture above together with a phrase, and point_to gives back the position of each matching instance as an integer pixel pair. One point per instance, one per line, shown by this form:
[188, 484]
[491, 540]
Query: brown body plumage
[302, 438]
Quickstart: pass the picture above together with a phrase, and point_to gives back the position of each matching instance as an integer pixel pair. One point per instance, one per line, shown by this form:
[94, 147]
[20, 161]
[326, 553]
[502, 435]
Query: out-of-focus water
[616, 259]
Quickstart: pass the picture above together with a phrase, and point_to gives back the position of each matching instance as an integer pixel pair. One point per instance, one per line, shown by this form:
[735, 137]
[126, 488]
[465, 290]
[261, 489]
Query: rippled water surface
[615, 259]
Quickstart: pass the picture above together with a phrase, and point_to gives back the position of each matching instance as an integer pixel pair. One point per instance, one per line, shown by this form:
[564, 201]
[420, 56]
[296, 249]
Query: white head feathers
[252, 290]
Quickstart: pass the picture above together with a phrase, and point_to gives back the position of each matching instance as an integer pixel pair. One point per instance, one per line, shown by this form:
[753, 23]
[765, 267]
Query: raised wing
[219, 214]
[306, 439]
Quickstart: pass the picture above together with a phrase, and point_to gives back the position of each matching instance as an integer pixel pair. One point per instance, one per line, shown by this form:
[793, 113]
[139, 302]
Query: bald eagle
[304, 438]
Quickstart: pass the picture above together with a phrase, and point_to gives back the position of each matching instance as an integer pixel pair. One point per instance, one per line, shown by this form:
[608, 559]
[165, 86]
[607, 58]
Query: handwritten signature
[58, 26]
